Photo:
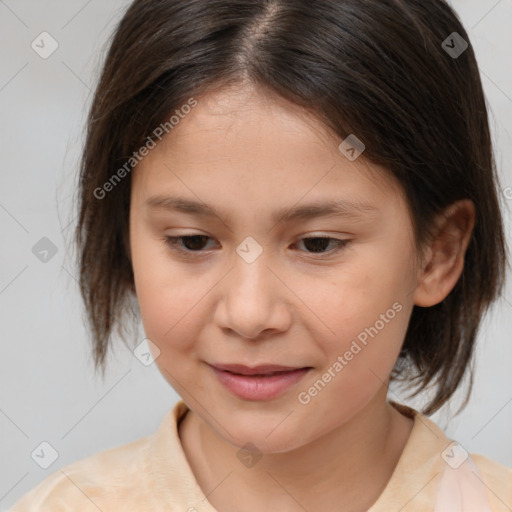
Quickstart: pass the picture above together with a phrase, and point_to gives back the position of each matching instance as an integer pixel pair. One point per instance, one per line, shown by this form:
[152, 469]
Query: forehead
[241, 140]
[244, 117]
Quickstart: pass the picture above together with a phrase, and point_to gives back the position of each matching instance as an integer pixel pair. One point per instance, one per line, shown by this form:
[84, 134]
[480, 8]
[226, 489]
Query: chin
[266, 436]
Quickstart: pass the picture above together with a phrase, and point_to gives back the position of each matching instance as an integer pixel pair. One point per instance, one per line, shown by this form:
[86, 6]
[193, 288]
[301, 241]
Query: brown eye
[191, 243]
[319, 244]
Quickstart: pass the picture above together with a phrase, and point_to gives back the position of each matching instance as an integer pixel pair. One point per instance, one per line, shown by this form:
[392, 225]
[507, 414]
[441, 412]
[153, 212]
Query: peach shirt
[153, 474]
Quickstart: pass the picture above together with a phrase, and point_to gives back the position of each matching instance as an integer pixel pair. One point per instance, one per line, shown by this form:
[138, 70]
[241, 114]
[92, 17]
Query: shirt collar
[413, 484]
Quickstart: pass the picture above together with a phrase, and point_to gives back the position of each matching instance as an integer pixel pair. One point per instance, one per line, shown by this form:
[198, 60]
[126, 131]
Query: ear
[444, 257]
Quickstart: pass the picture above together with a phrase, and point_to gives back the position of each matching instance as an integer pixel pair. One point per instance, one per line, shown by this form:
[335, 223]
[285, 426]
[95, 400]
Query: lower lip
[258, 387]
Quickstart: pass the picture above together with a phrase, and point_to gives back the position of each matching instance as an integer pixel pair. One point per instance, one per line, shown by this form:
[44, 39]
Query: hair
[376, 69]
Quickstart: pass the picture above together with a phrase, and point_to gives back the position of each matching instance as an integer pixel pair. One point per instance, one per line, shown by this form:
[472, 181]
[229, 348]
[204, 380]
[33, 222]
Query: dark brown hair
[376, 69]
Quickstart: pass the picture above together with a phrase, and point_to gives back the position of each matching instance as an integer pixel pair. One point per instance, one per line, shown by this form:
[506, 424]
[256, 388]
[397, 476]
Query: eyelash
[171, 242]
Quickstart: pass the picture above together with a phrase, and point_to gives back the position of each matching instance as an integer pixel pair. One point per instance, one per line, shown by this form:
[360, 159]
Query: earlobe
[445, 262]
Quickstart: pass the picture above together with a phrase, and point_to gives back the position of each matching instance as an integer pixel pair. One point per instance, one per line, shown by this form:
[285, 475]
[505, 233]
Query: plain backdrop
[48, 389]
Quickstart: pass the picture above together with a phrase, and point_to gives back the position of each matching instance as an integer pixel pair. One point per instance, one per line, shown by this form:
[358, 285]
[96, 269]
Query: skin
[247, 154]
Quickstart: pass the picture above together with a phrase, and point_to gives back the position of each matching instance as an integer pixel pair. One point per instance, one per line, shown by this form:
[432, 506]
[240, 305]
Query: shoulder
[430, 455]
[114, 474]
[498, 480]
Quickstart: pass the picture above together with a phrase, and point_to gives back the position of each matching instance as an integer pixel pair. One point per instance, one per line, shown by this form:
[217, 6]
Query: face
[327, 292]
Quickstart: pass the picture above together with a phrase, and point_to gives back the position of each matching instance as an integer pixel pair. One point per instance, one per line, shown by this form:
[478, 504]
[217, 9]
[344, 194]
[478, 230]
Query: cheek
[357, 365]
[368, 309]
[170, 321]
[166, 296]
[366, 345]
[361, 296]
[168, 312]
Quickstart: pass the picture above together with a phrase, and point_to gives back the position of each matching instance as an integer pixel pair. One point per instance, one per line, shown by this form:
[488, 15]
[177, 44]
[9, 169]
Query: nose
[254, 301]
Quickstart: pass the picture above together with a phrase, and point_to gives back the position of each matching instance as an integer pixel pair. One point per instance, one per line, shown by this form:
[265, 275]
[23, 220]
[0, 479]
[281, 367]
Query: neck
[348, 467]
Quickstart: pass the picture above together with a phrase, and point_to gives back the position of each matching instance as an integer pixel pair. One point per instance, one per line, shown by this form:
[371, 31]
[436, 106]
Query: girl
[302, 199]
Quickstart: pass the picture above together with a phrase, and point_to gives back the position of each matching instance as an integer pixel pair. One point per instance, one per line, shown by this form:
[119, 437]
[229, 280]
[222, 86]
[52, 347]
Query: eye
[188, 244]
[318, 244]
[193, 243]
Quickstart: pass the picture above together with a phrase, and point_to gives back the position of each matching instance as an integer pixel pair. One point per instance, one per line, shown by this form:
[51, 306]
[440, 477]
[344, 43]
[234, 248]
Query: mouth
[262, 370]
[263, 382]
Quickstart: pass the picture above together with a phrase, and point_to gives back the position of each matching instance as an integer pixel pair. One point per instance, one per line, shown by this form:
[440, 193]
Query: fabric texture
[153, 474]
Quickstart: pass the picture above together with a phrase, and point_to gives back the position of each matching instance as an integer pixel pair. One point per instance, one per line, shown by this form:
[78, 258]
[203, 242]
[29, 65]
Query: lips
[262, 382]
[260, 370]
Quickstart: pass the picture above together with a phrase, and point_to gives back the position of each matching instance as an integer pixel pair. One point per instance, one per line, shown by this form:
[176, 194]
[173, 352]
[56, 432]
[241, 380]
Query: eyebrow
[334, 208]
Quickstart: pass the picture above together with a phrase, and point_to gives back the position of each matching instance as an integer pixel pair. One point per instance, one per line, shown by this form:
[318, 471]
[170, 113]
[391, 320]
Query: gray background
[48, 390]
